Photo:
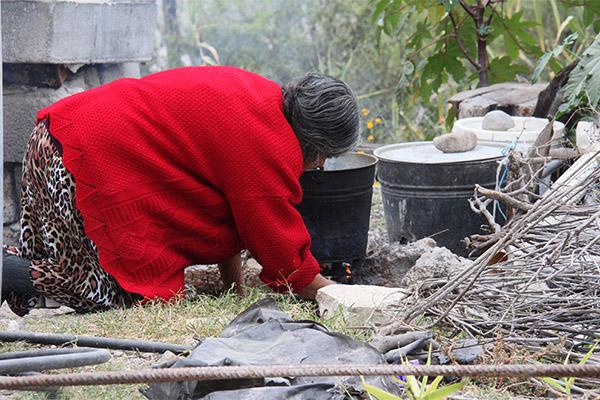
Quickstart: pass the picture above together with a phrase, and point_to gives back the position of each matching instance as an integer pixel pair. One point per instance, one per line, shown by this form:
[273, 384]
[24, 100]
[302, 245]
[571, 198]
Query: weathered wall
[54, 48]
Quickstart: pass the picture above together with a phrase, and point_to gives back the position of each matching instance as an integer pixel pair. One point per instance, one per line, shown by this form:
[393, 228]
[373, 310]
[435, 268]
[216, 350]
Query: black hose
[47, 359]
[93, 341]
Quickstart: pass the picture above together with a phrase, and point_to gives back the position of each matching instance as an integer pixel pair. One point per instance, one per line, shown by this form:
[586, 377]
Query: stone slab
[361, 305]
[84, 31]
[513, 97]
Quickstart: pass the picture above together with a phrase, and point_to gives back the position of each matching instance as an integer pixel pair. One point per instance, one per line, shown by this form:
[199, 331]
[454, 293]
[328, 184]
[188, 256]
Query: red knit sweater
[186, 166]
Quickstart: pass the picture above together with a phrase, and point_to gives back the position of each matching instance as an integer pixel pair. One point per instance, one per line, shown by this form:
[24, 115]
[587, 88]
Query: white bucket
[525, 131]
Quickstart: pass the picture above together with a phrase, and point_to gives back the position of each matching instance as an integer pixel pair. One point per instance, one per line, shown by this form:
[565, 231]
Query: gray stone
[466, 351]
[21, 104]
[84, 31]
[11, 195]
[360, 304]
[387, 263]
[439, 263]
[455, 142]
[497, 120]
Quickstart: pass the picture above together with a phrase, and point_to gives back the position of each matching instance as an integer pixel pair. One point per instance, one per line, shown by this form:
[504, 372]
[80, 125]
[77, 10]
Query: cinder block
[21, 104]
[12, 194]
[43, 75]
[77, 31]
[109, 72]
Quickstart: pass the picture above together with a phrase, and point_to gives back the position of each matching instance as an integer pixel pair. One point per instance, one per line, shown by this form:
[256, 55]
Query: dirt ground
[204, 315]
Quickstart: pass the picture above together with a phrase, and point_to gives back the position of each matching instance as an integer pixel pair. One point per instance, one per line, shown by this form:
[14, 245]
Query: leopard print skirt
[64, 261]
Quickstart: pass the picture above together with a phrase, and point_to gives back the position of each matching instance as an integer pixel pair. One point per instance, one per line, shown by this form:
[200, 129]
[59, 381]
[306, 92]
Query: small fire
[348, 271]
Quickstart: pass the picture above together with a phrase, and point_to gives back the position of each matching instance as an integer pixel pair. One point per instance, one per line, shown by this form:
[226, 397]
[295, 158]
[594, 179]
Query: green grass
[182, 320]
[178, 322]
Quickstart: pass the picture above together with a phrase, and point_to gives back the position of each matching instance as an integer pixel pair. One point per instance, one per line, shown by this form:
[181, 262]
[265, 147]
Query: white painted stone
[497, 120]
[361, 305]
[587, 136]
[455, 142]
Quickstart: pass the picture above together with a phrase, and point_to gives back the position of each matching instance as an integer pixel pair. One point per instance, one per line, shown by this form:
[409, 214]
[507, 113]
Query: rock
[70, 32]
[439, 263]
[467, 351]
[360, 304]
[497, 120]
[387, 263]
[455, 142]
[205, 279]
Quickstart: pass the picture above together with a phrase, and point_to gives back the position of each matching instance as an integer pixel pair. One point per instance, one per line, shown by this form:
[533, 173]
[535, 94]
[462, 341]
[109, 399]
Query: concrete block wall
[55, 48]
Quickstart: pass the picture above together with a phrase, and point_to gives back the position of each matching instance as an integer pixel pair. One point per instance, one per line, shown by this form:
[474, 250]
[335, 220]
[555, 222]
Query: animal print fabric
[65, 265]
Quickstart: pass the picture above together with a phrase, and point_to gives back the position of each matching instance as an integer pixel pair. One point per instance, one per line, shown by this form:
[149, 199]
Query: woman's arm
[310, 291]
[231, 275]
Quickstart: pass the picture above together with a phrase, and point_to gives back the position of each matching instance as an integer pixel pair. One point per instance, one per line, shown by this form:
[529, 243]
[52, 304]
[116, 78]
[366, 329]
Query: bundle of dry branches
[546, 286]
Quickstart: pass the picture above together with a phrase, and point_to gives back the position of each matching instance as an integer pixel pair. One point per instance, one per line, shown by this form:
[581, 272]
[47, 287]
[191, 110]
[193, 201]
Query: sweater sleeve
[274, 232]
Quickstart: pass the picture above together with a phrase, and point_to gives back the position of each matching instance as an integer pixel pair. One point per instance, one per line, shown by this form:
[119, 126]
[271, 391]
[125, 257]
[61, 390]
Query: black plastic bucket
[336, 207]
[425, 192]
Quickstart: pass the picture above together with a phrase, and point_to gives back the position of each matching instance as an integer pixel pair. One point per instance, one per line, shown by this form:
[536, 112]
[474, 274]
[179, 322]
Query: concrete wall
[54, 48]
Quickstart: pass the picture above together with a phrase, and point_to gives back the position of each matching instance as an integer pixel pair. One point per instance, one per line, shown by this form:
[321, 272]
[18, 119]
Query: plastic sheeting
[264, 335]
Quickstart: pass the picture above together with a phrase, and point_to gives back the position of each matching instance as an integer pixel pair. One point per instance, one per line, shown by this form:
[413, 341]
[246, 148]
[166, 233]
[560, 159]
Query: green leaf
[569, 382]
[455, 68]
[448, 4]
[587, 356]
[446, 391]
[556, 384]
[501, 69]
[541, 66]
[434, 385]
[588, 16]
[380, 7]
[510, 46]
[379, 393]
[585, 78]
[413, 385]
[436, 13]
[547, 56]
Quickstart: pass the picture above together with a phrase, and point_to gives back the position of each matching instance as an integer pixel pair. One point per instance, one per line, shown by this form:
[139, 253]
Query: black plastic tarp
[264, 335]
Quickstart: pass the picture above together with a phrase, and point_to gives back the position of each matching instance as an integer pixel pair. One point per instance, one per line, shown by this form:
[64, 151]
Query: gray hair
[323, 113]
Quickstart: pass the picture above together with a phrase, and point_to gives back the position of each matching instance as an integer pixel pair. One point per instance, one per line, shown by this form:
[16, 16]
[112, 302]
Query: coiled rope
[246, 372]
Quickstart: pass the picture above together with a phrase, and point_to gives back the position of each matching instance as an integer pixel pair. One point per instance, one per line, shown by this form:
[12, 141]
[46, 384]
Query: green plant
[417, 389]
[583, 87]
[457, 34]
[565, 385]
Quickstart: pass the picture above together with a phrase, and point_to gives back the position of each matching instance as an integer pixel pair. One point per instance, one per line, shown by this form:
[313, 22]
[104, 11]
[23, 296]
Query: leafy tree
[458, 34]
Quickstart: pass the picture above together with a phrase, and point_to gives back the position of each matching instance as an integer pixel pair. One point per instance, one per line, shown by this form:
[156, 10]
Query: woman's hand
[310, 291]
[231, 275]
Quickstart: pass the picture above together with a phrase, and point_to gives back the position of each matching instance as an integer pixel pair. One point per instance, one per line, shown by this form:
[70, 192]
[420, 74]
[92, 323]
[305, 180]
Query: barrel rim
[373, 161]
[381, 158]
